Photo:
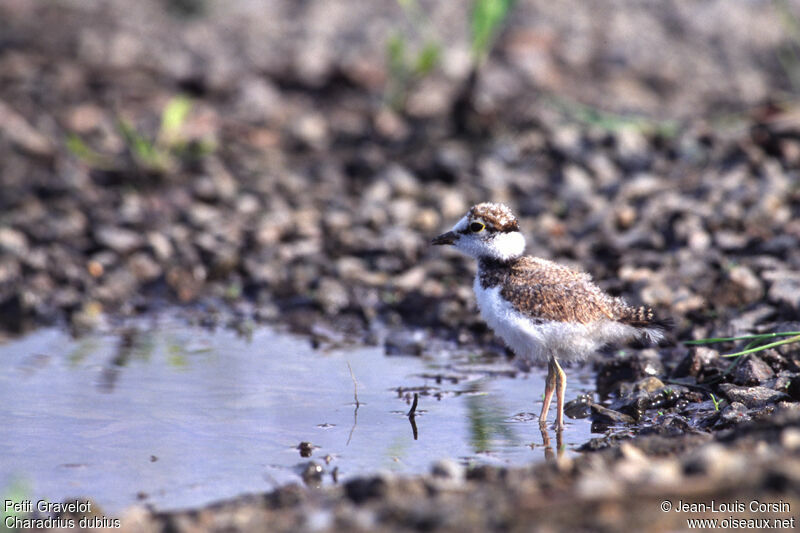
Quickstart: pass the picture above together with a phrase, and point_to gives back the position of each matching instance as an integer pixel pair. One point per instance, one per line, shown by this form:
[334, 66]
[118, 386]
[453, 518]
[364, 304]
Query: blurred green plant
[485, 21]
[158, 155]
[85, 153]
[144, 152]
[405, 67]
[172, 120]
[612, 122]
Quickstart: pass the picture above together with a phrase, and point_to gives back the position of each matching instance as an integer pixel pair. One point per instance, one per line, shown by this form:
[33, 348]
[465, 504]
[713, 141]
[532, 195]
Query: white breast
[534, 340]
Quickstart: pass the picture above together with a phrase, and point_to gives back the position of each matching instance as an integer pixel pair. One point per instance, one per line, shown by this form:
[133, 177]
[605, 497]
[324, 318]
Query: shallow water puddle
[178, 416]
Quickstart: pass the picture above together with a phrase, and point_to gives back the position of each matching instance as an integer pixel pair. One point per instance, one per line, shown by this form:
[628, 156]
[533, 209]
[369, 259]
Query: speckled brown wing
[545, 290]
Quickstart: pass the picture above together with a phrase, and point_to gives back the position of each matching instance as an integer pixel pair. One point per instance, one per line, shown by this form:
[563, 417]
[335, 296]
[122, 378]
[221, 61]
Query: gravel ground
[292, 194]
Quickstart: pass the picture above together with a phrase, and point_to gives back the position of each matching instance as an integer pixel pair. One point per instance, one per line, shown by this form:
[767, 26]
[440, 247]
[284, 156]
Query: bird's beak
[445, 238]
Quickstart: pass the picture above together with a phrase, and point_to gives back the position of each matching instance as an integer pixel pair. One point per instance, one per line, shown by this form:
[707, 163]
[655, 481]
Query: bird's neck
[489, 262]
[493, 271]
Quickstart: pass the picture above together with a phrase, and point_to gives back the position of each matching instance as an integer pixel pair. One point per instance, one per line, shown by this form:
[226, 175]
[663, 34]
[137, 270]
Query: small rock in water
[580, 407]
[312, 473]
[306, 449]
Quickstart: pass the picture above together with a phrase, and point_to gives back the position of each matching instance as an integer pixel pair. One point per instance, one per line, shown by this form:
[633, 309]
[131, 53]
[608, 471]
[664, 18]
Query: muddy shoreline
[747, 476]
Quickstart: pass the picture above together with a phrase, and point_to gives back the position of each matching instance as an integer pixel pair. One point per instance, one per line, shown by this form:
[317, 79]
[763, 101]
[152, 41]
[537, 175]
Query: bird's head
[487, 231]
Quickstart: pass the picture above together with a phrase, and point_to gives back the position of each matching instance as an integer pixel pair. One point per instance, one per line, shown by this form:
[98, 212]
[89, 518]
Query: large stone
[752, 397]
[752, 371]
[608, 416]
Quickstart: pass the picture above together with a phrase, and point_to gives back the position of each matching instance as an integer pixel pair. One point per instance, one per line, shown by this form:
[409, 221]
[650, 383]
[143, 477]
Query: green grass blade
[742, 338]
[753, 344]
[715, 401]
[764, 347]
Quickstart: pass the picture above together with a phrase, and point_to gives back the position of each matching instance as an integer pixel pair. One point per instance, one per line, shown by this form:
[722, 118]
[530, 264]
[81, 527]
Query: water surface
[172, 415]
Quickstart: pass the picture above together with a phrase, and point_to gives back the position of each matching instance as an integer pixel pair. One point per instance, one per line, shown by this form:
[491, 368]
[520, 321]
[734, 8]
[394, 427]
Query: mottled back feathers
[544, 290]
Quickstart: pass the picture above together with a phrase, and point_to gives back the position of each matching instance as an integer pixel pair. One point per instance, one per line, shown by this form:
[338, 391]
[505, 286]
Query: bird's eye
[476, 227]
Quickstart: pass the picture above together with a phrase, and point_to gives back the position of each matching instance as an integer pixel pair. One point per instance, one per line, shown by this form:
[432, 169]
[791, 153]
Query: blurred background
[293, 158]
[287, 162]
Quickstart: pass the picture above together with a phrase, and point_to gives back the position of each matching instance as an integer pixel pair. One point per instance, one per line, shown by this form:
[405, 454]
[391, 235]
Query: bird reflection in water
[548, 447]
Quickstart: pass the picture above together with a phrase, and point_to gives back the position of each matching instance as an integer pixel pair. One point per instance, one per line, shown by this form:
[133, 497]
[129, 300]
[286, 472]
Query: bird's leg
[549, 388]
[561, 391]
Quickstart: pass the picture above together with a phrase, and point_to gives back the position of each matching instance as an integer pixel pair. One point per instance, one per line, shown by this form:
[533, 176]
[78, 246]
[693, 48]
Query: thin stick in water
[413, 410]
[355, 384]
[412, 416]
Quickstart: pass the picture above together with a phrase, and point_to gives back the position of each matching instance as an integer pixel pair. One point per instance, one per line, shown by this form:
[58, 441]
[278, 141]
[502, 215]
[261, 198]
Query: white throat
[505, 246]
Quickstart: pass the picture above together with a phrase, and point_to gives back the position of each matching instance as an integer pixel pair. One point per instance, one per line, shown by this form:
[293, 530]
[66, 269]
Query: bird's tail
[645, 321]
